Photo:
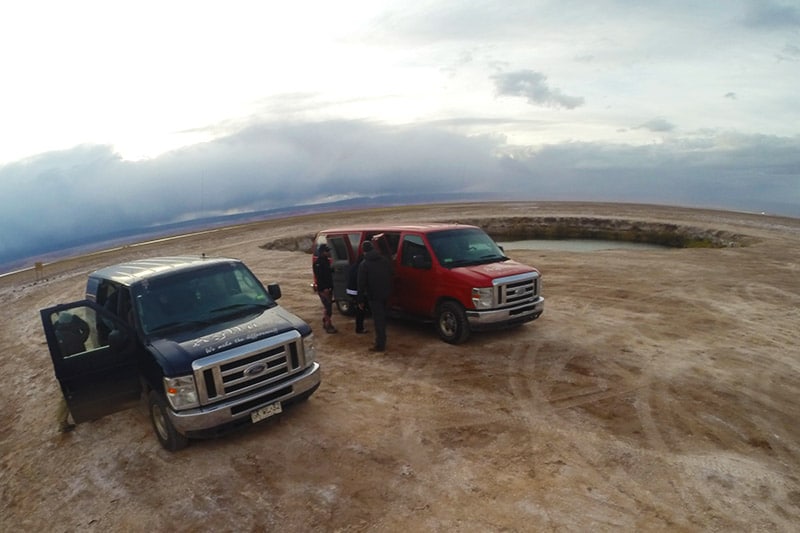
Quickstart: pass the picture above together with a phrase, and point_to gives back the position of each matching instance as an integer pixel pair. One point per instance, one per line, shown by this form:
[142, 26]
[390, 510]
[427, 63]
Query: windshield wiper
[179, 325]
[491, 258]
[246, 306]
[459, 263]
[485, 259]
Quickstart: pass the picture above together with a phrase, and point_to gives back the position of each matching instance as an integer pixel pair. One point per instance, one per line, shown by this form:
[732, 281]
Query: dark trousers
[359, 314]
[378, 308]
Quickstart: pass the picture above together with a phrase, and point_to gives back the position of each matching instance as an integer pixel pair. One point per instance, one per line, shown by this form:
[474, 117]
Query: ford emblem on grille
[254, 370]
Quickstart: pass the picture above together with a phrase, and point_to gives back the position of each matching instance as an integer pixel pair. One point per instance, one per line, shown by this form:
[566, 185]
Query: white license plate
[266, 412]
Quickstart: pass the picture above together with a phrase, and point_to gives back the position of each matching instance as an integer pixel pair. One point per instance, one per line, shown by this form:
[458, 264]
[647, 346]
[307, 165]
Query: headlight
[309, 349]
[181, 392]
[482, 298]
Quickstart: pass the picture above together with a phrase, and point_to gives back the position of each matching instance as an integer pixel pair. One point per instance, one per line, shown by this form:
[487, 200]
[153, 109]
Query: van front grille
[516, 290]
[248, 368]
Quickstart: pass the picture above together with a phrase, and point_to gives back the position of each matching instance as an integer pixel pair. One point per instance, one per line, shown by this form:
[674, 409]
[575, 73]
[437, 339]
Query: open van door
[341, 259]
[94, 359]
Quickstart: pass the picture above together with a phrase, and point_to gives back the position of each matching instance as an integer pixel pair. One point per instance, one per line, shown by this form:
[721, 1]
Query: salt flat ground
[658, 392]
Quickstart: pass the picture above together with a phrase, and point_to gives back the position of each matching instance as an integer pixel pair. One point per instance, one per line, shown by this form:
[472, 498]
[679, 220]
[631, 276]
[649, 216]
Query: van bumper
[214, 419]
[500, 318]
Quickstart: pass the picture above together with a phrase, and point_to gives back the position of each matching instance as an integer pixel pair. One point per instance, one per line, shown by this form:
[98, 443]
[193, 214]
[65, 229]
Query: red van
[452, 274]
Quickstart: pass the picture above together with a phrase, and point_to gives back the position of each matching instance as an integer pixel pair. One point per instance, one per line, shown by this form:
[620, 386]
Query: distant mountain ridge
[87, 243]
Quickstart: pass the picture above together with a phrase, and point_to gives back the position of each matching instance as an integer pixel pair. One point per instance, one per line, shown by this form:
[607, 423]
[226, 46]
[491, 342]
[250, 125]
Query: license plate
[266, 412]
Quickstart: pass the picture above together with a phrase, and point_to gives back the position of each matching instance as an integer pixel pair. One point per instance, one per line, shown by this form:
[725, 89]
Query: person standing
[374, 286]
[324, 275]
[352, 292]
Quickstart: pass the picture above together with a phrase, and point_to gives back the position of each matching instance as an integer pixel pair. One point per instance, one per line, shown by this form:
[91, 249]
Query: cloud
[771, 15]
[533, 86]
[790, 52]
[89, 193]
[657, 124]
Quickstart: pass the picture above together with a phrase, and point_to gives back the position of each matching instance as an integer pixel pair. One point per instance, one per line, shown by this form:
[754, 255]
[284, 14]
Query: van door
[94, 356]
[341, 258]
[413, 289]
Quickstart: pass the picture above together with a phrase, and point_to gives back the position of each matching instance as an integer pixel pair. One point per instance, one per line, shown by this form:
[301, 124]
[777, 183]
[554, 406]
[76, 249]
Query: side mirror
[421, 261]
[274, 290]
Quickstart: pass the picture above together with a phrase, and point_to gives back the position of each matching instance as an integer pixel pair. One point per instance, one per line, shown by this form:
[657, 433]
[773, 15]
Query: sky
[137, 114]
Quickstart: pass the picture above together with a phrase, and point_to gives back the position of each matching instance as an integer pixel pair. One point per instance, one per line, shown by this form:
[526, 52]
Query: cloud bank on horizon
[135, 116]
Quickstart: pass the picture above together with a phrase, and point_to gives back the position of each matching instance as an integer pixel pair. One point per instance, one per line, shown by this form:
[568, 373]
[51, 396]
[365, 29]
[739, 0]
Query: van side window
[77, 331]
[413, 246]
[355, 241]
[338, 247]
[116, 300]
[393, 240]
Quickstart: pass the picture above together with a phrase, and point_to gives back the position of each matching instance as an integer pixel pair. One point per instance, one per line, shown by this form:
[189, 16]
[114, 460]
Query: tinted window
[414, 246]
[355, 241]
[200, 296]
[76, 331]
[463, 247]
[338, 247]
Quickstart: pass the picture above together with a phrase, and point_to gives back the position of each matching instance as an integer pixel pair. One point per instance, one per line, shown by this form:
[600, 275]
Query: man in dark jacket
[324, 275]
[374, 285]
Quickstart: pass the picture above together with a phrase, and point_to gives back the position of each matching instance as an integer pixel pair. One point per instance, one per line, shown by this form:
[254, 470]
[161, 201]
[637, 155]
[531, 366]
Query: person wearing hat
[324, 275]
[374, 285]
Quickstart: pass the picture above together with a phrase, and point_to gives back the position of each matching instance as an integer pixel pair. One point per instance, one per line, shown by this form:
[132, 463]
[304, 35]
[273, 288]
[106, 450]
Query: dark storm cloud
[81, 195]
[533, 86]
[772, 15]
[790, 52]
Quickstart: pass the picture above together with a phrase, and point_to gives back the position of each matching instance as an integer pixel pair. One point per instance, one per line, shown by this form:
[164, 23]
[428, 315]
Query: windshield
[199, 297]
[464, 247]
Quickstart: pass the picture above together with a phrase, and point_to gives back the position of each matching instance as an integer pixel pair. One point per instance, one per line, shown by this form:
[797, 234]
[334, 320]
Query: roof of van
[379, 228]
[134, 271]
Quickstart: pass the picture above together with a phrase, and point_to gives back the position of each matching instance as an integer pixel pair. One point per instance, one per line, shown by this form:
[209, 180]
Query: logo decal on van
[254, 370]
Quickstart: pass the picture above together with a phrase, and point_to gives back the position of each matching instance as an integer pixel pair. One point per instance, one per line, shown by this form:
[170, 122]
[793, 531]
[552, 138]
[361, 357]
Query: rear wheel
[167, 435]
[451, 323]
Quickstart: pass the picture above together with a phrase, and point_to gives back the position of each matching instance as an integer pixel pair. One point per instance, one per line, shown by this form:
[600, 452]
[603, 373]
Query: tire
[451, 323]
[166, 433]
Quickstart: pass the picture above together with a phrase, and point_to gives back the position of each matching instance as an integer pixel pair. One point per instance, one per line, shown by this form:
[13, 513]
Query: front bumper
[499, 318]
[238, 409]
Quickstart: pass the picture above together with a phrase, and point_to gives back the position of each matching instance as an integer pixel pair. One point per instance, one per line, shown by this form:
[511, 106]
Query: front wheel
[167, 435]
[451, 323]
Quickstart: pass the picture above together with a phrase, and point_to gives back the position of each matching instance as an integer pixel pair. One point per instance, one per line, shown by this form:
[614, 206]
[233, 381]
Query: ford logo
[254, 370]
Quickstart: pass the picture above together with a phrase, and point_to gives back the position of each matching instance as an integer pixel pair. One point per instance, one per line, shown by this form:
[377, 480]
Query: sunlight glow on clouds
[200, 102]
[152, 76]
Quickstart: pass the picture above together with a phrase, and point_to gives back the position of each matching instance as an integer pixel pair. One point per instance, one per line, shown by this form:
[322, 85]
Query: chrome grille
[246, 368]
[516, 290]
